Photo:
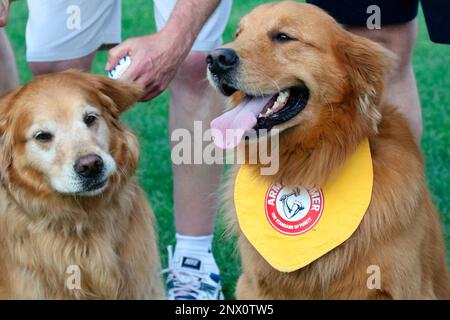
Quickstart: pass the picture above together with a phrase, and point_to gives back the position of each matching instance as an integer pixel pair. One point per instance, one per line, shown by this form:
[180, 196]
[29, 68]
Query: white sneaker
[188, 279]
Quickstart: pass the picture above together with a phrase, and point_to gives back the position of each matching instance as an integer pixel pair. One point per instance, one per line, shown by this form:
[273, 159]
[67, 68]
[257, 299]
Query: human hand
[154, 61]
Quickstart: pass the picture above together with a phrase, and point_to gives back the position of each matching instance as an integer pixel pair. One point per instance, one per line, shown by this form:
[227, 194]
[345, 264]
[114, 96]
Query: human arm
[155, 58]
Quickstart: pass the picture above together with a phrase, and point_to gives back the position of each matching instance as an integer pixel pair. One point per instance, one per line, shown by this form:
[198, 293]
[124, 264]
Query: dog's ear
[6, 102]
[115, 95]
[368, 66]
[5, 138]
[123, 94]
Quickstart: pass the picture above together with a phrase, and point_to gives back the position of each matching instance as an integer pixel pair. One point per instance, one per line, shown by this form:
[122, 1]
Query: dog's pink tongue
[229, 128]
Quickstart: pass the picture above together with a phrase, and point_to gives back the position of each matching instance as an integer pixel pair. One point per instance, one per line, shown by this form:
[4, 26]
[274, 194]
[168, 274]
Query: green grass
[150, 122]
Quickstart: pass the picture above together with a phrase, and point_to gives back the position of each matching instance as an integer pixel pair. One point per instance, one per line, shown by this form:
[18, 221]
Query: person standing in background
[175, 57]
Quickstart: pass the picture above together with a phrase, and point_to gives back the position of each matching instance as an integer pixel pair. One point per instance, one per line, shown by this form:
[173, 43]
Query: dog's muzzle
[222, 66]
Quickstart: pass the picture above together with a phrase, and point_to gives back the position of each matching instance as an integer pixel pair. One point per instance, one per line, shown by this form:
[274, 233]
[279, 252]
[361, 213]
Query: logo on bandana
[293, 211]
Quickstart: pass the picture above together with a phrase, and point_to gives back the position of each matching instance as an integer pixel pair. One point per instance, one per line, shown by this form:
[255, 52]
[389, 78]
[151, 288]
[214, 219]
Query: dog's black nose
[89, 166]
[221, 60]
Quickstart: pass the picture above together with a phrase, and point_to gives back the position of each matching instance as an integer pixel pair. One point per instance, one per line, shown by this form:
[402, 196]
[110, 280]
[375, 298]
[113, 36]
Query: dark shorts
[354, 13]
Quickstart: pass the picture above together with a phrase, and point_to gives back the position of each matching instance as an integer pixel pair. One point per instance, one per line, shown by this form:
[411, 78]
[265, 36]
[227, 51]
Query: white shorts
[210, 36]
[70, 29]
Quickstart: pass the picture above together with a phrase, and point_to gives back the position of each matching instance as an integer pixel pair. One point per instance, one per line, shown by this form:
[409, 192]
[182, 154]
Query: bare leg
[83, 63]
[402, 90]
[195, 186]
[9, 78]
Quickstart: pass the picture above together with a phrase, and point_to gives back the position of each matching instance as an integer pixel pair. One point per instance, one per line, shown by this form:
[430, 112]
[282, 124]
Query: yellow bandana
[291, 228]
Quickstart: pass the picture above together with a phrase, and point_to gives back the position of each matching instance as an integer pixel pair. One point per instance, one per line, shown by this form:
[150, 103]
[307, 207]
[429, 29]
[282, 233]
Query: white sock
[199, 248]
[201, 244]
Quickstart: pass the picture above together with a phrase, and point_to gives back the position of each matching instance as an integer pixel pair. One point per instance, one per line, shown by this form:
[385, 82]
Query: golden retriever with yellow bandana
[324, 93]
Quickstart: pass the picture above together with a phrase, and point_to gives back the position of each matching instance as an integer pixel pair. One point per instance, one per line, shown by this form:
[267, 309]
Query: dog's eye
[281, 37]
[237, 33]
[90, 119]
[43, 137]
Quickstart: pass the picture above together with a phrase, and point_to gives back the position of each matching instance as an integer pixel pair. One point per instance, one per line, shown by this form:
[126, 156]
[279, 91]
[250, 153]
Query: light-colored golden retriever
[332, 99]
[74, 224]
